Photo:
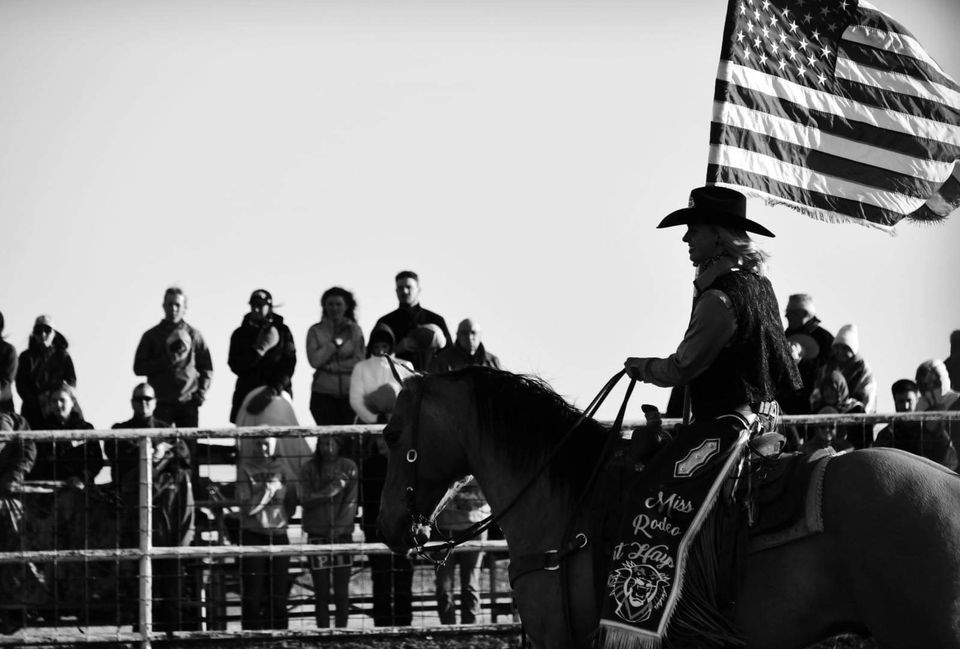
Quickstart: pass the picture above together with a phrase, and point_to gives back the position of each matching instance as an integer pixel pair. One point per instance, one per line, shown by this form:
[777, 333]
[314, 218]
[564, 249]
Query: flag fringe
[811, 212]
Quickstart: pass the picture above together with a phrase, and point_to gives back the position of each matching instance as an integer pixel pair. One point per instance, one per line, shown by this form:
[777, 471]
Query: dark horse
[887, 563]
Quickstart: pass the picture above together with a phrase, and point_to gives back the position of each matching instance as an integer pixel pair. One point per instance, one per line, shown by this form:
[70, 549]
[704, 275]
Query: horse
[887, 563]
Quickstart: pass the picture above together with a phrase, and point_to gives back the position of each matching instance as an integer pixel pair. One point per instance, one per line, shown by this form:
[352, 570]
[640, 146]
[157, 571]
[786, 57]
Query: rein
[550, 560]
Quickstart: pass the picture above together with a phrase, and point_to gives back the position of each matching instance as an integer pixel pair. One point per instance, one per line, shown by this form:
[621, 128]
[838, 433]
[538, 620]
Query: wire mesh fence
[221, 533]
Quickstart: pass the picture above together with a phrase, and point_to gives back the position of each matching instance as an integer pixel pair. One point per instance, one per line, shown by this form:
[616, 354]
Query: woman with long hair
[334, 346]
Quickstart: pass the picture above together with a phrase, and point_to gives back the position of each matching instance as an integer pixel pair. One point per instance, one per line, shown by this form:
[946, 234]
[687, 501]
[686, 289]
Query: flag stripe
[894, 204]
[820, 201]
[814, 139]
[944, 201]
[892, 81]
[831, 104]
[897, 103]
[889, 34]
[891, 42]
[901, 140]
[872, 56]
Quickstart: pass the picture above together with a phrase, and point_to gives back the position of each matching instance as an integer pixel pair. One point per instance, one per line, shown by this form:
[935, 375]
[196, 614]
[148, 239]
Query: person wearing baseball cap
[262, 351]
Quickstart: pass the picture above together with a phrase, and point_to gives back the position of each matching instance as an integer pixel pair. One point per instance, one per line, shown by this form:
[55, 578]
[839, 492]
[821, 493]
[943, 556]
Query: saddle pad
[809, 520]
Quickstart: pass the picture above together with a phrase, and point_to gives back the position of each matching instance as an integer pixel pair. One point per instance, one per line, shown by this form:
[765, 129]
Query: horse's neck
[538, 514]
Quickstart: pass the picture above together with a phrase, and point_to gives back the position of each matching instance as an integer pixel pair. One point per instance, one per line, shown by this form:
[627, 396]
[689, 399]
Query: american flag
[833, 108]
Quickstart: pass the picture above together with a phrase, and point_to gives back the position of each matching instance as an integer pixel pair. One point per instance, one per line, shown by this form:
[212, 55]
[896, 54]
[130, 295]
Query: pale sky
[517, 155]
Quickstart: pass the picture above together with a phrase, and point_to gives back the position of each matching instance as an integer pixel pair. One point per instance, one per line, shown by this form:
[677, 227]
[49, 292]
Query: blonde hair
[738, 244]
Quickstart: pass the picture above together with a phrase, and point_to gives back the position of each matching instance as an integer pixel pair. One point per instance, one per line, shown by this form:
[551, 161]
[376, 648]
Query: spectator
[16, 456]
[44, 366]
[467, 507]
[845, 357]
[8, 371]
[176, 362]
[392, 574]
[173, 506]
[910, 435]
[266, 490]
[18, 582]
[124, 454]
[334, 346]
[329, 486]
[802, 320]
[264, 408]
[835, 399]
[467, 350]
[373, 387]
[932, 380]
[262, 351]
[77, 465]
[416, 341]
[953, 361]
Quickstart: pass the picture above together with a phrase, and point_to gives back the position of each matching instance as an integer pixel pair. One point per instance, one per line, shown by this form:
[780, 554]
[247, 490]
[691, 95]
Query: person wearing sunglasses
[44, 366]
[173, 522]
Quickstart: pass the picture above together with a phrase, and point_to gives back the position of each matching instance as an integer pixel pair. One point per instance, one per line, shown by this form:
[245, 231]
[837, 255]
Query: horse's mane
[525, 419]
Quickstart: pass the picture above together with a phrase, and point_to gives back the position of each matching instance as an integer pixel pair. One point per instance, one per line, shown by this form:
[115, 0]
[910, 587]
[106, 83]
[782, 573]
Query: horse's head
[426, 454]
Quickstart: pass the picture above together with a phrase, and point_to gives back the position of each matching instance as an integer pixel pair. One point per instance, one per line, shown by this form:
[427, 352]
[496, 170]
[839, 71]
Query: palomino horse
[887, 563]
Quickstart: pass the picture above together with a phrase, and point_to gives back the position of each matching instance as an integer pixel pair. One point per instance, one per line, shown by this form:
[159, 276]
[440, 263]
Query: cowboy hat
[715, 206]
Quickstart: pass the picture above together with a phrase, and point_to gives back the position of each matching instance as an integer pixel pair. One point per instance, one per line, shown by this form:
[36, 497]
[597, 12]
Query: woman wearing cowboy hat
[734, 357]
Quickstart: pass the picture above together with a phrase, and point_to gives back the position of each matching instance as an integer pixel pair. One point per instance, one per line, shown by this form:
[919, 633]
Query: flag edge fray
[823, 216]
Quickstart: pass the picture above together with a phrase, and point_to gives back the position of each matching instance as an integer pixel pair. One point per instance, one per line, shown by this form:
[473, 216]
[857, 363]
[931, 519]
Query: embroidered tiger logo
[638, 590]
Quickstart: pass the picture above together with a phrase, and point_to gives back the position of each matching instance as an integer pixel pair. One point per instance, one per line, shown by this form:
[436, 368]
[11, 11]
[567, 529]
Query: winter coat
[64, 460]
[455, 357]
[373, 388]
[274, 368]
[41, 369]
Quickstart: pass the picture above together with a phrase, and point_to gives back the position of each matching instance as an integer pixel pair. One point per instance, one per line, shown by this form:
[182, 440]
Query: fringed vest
[756, 365]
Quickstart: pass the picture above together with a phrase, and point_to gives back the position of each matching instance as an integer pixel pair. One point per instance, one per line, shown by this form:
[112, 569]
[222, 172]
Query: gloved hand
[267, 339]
[198, 398]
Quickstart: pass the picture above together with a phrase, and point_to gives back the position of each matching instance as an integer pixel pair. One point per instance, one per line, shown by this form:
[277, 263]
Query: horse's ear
[394, 368]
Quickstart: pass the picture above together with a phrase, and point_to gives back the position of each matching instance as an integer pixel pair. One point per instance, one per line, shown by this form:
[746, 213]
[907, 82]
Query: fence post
[146, 541]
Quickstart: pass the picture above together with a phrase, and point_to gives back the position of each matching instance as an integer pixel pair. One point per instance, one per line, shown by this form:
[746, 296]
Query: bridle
[439, 552]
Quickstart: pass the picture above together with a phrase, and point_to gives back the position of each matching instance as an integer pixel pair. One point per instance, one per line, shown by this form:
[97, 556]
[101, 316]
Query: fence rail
[217, 556]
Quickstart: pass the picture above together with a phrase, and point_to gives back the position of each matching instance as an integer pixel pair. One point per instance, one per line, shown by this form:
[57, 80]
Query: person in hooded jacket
[933, 381]
[44, 366]
[834, 398]
[262, 351]
[846, 358]
[373, 387]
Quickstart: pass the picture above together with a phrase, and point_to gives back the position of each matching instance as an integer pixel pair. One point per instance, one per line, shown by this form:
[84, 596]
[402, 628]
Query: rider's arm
[711, 328]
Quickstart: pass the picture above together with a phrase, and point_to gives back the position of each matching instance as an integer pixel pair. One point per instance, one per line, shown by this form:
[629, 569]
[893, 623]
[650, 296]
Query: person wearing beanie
[845, 357]
[43, 367]
[801, 316]
[262, 351]
[413, 343]
[8, 371]
[373, 387]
